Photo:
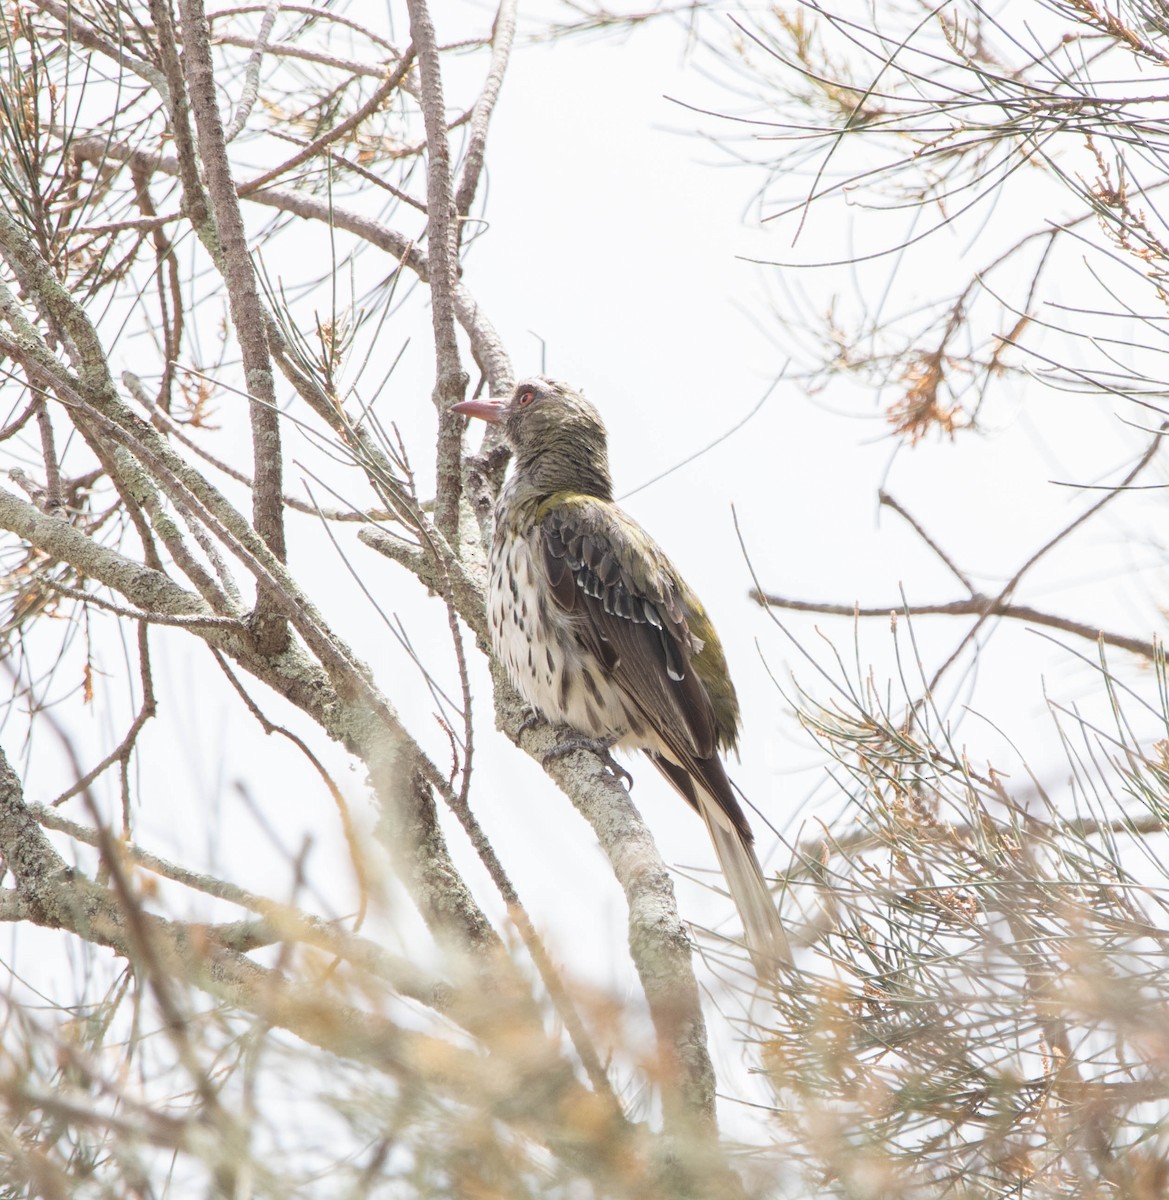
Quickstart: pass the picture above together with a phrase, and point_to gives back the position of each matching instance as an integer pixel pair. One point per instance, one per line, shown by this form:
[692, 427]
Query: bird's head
[557, 436]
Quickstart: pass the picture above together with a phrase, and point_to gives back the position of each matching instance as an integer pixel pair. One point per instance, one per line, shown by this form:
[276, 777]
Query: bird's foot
[598, 746]
[529, 722]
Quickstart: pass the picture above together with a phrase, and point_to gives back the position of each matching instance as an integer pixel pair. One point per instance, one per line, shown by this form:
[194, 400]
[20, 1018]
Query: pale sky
[615, 239]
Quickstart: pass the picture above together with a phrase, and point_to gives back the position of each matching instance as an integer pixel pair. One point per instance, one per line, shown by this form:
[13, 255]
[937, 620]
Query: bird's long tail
[766, 941]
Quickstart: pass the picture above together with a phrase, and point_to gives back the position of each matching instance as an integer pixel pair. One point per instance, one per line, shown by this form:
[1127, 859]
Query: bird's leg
[599, 746]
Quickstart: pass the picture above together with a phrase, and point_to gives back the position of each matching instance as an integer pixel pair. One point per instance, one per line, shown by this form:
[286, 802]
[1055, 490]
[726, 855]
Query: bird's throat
[559, 468]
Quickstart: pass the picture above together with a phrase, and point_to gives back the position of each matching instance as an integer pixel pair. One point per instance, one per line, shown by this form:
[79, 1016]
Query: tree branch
[486, 344]
[251, 88]
[528, 1083]
[502, 36]
[346, 705]
[246, 310]
[59, 897]
[382, 93]
[977, 606]
[658, 941]
[442, 239]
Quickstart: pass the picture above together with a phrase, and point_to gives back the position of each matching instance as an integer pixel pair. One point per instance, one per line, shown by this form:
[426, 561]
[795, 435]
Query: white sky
[613, 238]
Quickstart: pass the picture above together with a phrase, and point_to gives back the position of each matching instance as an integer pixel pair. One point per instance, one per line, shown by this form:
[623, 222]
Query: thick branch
[195, 201]
[353, 713]
[658, 940]
[58, 897]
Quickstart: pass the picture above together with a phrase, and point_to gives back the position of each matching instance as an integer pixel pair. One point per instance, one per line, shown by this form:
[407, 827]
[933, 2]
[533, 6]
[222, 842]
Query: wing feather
[627, 606]
[632, 606]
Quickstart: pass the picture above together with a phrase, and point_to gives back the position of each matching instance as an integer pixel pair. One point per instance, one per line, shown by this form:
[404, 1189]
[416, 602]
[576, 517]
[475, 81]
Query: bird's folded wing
[605, 572]
[624, 600]
[623, 596]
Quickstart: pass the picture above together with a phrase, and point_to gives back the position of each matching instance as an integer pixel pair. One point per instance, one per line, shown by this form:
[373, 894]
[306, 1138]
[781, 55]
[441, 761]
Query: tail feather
[766, 941]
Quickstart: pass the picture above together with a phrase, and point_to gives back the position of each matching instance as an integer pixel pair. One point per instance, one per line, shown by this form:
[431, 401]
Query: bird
[598, 631]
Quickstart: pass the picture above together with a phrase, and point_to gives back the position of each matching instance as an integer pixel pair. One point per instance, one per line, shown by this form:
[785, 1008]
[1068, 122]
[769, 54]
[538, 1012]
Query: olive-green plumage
[599, 631]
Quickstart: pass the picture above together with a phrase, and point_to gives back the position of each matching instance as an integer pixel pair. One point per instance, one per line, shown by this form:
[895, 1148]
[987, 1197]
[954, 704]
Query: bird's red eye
[526, 397]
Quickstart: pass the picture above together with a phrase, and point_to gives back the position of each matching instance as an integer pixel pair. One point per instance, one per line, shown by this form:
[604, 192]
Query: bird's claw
[598, 746]
[529, 722]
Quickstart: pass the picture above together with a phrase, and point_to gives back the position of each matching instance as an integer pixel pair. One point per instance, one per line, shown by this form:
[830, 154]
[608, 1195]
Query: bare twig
[246, 309]
[356, 855]
[1009, 588]
[53, 501]
[251, 88]
[977, 605]
[502, 36]
[442, 239]
[385, 89]
[890, 502]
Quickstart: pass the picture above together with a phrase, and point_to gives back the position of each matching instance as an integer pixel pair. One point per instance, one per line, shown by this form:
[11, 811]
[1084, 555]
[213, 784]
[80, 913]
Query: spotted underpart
[543, 650]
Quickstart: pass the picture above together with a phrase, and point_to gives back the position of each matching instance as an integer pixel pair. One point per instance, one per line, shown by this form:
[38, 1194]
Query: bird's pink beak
[486, 410]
